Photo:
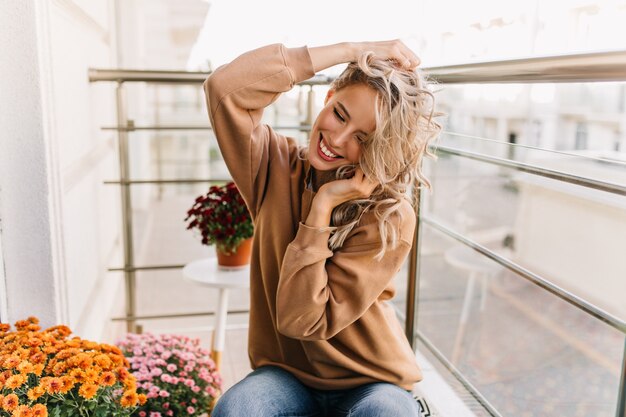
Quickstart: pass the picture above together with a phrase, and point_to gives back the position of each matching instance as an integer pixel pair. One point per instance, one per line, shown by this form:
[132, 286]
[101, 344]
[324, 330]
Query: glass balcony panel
[525, 350]
[572, 235]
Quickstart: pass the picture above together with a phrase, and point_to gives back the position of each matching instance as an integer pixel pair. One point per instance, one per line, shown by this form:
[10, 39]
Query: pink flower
[155, 414]
[164, 394]
[195, 389]
[171, 367]
[191, 410]
[142, 414]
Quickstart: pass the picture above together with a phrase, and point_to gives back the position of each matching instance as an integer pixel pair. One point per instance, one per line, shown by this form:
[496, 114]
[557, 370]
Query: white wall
[60, 224]
[30, 218]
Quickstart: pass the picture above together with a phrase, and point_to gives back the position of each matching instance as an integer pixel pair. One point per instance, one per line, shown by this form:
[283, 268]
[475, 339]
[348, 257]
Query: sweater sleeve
[236, 95]
[320, 292]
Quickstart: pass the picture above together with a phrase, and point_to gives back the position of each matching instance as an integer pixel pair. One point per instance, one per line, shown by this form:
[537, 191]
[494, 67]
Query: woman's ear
[328, 96]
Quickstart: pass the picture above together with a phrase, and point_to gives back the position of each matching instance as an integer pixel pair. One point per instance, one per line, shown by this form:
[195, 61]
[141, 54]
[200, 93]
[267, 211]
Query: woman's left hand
[339, 191]
[333, 193]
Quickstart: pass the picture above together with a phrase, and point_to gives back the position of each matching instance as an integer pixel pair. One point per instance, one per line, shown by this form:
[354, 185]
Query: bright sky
[440, 31]
[235, 26]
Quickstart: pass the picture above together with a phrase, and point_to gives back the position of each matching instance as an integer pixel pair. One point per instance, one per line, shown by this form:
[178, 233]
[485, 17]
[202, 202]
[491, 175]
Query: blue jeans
[270, 391]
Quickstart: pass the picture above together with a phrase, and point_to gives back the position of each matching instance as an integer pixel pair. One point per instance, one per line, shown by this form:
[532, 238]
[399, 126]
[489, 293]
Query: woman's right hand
[327, 56]
[394, 50]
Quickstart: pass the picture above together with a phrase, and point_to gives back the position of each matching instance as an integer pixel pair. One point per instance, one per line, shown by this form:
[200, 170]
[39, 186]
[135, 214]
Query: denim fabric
[270, 391]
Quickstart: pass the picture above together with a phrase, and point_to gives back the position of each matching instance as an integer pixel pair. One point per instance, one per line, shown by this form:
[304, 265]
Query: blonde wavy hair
[392, 154]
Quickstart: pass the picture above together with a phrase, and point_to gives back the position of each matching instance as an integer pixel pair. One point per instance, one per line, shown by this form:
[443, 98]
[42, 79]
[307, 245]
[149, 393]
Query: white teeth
[326, 151]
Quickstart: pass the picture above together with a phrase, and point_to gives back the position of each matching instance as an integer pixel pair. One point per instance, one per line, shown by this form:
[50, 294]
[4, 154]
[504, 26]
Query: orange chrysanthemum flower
[38, 357]
[25, 367]
[59, 368]
[92, 375]
[122, 373]
[15, 381]
[89, 345]
[11, 362]
[34, 342]
[129, 399]
[49, 350]
[67, 383]
[88, 390]
[142, 399]
[38, 369]
[22, 411]
[107, 379]
[53, 385]
[102, 361]
[40, 410]
[10, 402]
[82, 361]
[61, 330]
[36, 392]
[78, 375]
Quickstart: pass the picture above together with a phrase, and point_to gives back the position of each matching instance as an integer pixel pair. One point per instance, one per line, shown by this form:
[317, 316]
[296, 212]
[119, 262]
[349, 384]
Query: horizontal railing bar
[536, 279]
[303, 128]
[532, 169]
[536, 148]
[145, 268]
[587, 67]
[180, 181]
[170, 77]
[458, 375]
[176, 315]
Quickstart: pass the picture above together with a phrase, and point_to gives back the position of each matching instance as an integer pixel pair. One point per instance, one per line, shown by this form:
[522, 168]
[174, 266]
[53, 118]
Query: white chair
[480, 269]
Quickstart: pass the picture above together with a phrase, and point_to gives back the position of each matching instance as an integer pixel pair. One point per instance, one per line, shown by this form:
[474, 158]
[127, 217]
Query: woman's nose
[339, 139]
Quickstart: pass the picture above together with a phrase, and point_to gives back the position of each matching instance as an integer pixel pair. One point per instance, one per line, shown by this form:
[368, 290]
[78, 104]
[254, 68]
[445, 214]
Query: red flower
[221, 217]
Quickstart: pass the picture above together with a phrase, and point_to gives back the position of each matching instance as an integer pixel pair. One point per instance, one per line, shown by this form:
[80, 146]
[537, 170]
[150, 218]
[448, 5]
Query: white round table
[206, 272]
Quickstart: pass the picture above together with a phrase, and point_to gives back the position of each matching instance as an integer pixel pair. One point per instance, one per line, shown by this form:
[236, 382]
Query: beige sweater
[321, 315]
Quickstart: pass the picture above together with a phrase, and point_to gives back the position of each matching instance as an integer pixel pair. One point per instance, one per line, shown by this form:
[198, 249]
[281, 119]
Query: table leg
[219, 334]
[467, 303]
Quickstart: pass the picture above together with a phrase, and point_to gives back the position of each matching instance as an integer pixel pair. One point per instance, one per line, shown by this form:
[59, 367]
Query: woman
[332, 227]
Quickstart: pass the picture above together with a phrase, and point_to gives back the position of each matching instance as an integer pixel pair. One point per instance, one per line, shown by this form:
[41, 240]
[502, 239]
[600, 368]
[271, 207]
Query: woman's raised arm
[324, 57]
[237, 93]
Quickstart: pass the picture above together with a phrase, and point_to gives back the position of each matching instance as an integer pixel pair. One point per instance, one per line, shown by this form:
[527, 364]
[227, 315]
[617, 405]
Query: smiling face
[343, 124]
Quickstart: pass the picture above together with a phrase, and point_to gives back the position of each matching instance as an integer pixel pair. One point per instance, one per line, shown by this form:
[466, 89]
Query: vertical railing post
[621, 398]
[310, 106]
[413, 273]
[127, 224]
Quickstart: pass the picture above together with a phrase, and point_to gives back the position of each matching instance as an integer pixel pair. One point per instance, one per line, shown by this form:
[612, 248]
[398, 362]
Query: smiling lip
[322, 154]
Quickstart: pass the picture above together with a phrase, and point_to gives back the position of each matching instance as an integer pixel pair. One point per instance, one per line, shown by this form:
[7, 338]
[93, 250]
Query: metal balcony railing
[593, 67]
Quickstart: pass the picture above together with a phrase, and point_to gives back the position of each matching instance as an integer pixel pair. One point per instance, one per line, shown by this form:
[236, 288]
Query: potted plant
[222, 218]
[47, 373]
[178, 377]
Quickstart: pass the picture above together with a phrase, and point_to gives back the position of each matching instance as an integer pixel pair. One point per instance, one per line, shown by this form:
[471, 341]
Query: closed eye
[338, 115]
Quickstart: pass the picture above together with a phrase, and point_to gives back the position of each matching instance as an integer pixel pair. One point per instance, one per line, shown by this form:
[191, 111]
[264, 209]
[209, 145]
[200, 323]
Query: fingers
[394, 50]
[365, 184]
[410, 59]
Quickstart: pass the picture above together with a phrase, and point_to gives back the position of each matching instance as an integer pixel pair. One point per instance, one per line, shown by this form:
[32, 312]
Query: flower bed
[47, 373]
[177, 376]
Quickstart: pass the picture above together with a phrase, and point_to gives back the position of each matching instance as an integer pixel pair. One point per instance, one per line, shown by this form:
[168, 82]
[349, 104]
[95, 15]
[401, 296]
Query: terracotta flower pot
[240, 257]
